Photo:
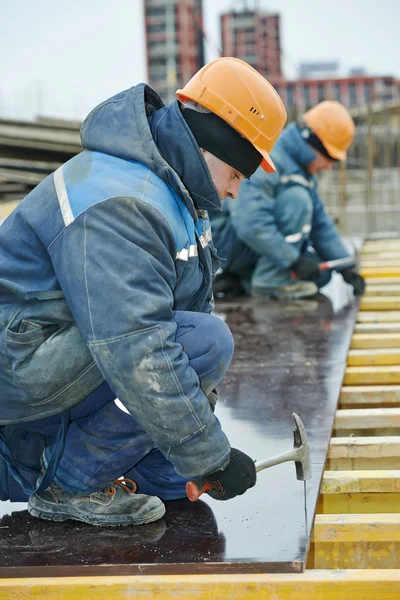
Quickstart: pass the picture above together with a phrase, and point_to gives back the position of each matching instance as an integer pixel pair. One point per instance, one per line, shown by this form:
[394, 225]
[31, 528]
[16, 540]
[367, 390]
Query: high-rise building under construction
[174, 43]
[253, 36]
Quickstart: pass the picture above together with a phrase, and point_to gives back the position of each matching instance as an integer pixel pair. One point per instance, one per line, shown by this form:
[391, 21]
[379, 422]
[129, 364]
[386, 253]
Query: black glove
[306, 268]
[353, 278]
[234, 480]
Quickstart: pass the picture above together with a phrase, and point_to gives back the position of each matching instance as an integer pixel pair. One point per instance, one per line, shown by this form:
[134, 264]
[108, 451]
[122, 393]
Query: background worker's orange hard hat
[332, 124]
[237, 93]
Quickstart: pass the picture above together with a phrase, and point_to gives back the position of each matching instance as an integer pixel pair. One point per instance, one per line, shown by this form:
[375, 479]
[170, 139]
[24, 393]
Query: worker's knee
[208, 342]
[218, 340]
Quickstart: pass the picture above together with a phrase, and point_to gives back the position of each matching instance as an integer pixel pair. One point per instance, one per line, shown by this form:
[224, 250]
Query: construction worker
[109, 356]
[277, 231]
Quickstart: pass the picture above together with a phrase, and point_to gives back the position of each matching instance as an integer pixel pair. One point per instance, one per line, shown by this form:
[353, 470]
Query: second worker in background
[274, 235]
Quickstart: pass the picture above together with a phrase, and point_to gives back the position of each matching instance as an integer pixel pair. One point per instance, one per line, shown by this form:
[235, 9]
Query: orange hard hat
[332, 124]
[233, 90]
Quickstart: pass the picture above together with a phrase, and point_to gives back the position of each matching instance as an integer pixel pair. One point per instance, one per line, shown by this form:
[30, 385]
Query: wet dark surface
[289, 357]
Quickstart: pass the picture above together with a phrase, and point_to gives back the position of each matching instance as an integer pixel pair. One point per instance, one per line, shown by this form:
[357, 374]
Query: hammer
[329, 265]
[349, 261]
[300, 455]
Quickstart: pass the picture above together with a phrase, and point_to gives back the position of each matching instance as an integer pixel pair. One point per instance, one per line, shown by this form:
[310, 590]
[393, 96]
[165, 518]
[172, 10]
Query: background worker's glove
[306, 268]
[353, 278]
[237, 477]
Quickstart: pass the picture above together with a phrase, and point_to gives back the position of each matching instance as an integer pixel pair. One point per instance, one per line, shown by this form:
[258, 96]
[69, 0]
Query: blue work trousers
[103, 442]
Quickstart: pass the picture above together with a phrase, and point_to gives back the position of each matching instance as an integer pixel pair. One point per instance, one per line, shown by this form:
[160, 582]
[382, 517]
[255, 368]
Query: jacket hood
[296, 146]
[120, 127]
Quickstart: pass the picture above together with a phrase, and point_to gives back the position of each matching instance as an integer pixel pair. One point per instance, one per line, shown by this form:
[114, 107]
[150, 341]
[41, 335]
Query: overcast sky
[61, 58]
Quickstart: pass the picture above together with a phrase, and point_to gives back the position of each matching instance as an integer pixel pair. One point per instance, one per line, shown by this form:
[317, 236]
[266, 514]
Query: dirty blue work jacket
[253, 218]
[94, 261]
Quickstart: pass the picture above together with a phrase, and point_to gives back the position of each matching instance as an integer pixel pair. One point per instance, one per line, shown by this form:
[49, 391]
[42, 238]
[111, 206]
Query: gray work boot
[291, 291]
[117, 505]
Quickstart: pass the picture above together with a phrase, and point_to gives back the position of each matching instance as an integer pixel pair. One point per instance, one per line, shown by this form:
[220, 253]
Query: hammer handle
[193, 492]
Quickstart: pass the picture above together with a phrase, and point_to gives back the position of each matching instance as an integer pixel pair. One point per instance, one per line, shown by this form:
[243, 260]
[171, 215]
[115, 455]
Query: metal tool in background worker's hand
[329, 265]
[300, 455]
[349, 261]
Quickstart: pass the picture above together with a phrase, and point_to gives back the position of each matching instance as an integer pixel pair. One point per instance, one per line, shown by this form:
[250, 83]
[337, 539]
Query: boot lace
[126, 484]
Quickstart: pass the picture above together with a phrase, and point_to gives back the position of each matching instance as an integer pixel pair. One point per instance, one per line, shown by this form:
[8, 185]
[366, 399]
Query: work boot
[117, 505]
[291, 291]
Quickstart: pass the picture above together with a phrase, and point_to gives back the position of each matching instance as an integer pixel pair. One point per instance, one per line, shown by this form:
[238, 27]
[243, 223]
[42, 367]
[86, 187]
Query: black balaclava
[220, 139]
[309, 136]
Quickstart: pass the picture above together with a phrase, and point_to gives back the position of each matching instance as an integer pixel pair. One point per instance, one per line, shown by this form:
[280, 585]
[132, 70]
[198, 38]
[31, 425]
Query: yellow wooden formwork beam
[374, 502]
[364, 447]
[379, 245]
[372, 303]
[373, 356]
[362, 481]
[372, 375]
[363, 395]
[377, 328]
[380, 263]
[382, 290]
[383, 272]
[361, 341]
[373, 282]
[381, 254]
[354, 453]
[367, 418]
[349, 528]
[360, 541]
[371, 584]
[392, 316]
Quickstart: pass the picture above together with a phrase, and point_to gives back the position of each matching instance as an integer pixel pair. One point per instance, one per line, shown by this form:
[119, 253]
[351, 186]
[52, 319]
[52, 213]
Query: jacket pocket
[44, 359]
[28, 337]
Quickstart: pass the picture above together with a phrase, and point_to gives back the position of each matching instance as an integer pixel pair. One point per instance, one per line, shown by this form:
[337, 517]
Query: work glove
[353, 278]
[237, 477]
[306, 268]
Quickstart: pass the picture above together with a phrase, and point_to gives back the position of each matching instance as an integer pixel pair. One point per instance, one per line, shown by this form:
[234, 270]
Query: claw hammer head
[302, 450]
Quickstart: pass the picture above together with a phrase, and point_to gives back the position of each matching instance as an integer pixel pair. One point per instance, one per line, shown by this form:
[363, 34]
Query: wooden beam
[392, 316]
[357, 503]
[362, 541]
[379, 245]
[369, 395]
[372, 303]
[357, 584]
[380, 271]
[367, 418]
[364, 447]
[356, 482]
[349, 528]
[361, 341]
[373, 356]
[372, 375]
[354, 453]
[380, 328]
[382, 290]
[378, 281]
[380, 263]
[380, 254]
